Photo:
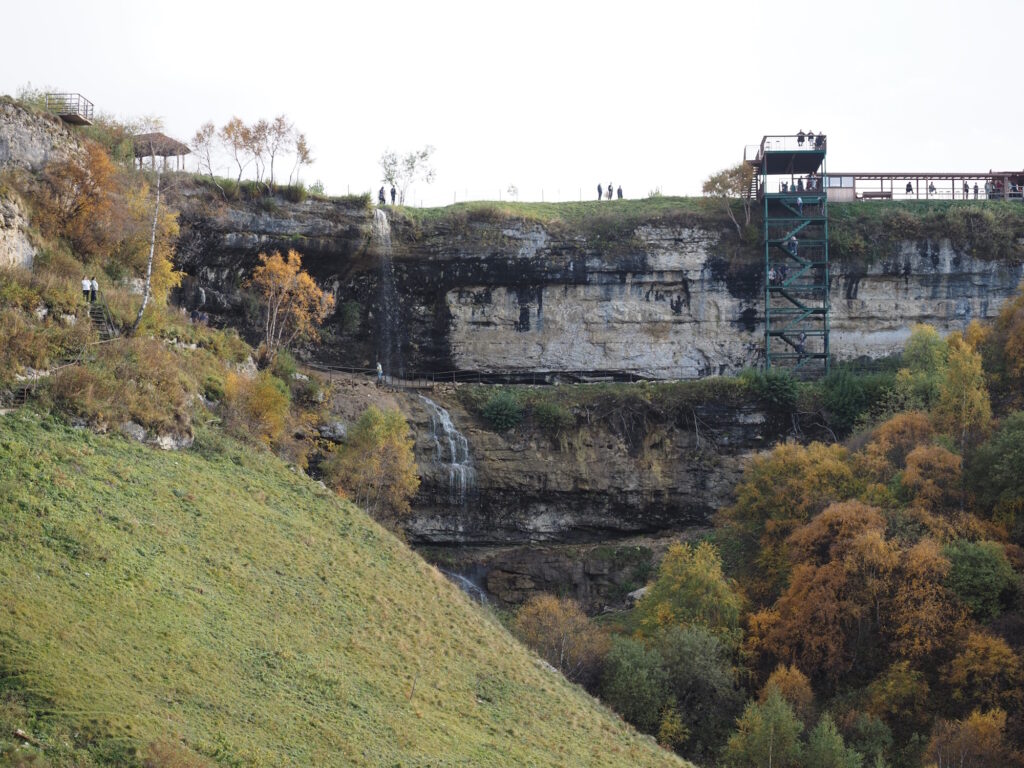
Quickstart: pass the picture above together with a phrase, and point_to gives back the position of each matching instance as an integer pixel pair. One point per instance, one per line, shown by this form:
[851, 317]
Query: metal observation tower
[788, 178]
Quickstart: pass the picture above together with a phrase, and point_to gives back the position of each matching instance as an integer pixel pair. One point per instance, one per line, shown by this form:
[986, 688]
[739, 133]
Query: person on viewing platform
[931, 188]
[810, 138]
[975, 190]
[910, 188]
[785, 187]
[800, 138]
[600, 193]
[819, 143]
[618, 192]
[86, 287]
[799, 185]
[967, 190]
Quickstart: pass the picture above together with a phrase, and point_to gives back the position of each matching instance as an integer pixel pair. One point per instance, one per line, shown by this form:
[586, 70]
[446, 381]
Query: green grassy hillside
[213, 607]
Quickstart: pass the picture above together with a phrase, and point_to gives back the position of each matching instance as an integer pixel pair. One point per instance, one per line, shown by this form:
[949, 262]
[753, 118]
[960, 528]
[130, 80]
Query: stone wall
[29, 140]
[16, 249]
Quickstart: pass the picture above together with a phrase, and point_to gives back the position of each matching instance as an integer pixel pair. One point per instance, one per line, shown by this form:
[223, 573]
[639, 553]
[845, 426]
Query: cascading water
[389, 311]
[468, 585]
[451, 450]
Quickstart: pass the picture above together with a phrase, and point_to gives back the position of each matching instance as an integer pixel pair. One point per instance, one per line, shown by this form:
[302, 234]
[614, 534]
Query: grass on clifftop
[213, 607]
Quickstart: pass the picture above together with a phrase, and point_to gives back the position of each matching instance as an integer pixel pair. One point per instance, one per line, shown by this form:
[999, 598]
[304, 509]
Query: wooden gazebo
[154, 145]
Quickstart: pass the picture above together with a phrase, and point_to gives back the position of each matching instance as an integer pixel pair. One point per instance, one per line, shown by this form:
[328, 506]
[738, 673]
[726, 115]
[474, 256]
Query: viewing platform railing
[72, 107]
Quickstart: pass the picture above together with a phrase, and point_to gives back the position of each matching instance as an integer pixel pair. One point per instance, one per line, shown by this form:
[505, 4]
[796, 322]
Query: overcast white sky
[553, 96]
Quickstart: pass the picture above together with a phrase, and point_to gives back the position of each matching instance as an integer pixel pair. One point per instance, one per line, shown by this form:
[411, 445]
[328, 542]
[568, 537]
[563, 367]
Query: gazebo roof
[158, 145]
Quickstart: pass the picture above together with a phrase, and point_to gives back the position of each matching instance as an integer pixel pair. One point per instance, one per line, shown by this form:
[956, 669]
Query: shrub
[293, 194]
[552, 417]
[376, 467]
[502, 411]
[257, 406]
[776, 388]
[284, 365]
[848, 396]
[213, 388]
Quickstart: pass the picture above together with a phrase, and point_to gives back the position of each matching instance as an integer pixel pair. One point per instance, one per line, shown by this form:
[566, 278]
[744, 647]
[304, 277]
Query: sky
[552, 97]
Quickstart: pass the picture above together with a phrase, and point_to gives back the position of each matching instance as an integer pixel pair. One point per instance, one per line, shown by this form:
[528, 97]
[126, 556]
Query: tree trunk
[152, 251]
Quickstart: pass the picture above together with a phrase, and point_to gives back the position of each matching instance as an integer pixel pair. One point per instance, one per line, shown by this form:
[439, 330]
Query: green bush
[213, 388]
[503, 411]
[553, 418]
[284, 365]
[848, 396]
[981, 577]
[776, 388]
[634, 683]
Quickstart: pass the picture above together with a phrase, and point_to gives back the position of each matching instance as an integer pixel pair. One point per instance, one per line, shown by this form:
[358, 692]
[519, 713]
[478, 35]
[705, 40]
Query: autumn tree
[921, 615]
[963, 408]
[235, 136]
[932, 474]
[375, 467]
[767, 734]
[204, 143]
[977, 741]
[403, 171]
[890, 442]
[258, 406]
[258, 137]
[780, 492]
[559, 630]
[293, 304]
[279, 134]
[691, 589]
[794, 687]
[995, 471]
[76, 199]
[985, 673]
[731, 183]
[303, 157]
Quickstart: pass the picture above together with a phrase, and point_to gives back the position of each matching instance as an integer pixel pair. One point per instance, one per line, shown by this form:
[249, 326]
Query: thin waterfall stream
[389, 310]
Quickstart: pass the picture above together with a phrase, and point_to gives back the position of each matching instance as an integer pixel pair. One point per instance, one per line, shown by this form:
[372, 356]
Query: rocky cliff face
[661, 301]
[16, 249]
[29, 141]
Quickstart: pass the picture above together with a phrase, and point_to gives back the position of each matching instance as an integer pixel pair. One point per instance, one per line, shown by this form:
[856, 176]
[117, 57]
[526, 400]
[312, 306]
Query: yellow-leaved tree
[963, 407]
[375, 467]
[294, 306]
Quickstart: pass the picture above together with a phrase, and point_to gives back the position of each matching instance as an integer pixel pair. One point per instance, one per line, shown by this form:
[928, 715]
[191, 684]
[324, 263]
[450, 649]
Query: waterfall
[389, 310]
[467, 585]
[451, 450]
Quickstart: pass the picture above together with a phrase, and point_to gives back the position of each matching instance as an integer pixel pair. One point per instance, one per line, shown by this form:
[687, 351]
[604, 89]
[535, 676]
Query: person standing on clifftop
[619, 192]
[392, 194]
[380, 196]
[608, 192]
[600, 193]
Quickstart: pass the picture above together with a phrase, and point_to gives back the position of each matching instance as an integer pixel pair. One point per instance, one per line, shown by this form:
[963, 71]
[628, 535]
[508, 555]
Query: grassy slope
[213, 596]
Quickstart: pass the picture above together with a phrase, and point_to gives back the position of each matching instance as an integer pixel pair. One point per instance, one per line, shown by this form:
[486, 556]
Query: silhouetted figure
[392, 194]
[801, 343]
[931, 188]
[799, 185]
[800, 206]
[967, 190]
[93, 289]
[380, 196]
[608, 192]
[810, 138]
[800, 138]
[619, 192]
[600, 193]
[910, 188]
[819, 143]
[975, 190]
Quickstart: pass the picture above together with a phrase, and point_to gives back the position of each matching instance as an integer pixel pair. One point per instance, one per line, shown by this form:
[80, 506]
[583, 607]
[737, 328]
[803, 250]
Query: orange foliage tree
[778, 493]
[986, 673]
[963, 409]
[922, 614]
[794, 687]
[76, 198]
[293, 304]
[933, 474]
[559, 630]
